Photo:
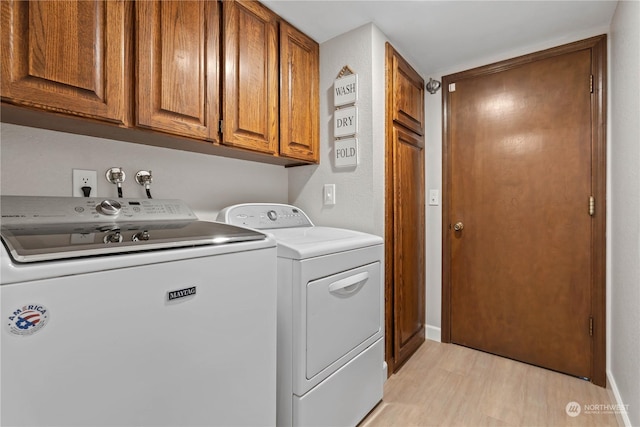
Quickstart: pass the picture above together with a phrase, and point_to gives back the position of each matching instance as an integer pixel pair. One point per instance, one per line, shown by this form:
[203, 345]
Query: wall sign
[345, 90]
[346, 153]
[345, 119]
[345, 122]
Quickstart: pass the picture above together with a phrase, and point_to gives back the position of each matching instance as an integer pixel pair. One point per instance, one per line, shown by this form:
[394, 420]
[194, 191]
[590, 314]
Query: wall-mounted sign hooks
[346, 70]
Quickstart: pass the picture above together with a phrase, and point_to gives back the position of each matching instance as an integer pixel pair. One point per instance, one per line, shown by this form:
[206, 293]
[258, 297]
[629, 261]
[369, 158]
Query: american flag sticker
[28, 319]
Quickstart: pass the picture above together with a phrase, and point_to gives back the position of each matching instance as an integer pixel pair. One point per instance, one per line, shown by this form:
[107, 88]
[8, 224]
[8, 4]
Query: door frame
[598, 47]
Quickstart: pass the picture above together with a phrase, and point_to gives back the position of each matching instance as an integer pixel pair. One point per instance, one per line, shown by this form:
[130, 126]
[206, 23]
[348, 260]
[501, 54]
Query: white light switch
[329, 194]
[433, 198]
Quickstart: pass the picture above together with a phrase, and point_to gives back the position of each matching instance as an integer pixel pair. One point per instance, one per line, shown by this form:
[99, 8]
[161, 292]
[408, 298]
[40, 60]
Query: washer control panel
[263, 216]
[65, 210]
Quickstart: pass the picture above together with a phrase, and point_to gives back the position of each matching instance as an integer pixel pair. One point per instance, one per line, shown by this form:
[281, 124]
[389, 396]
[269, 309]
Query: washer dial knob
[141, 236]
[272, 215]
[113, 237]
[109, 207]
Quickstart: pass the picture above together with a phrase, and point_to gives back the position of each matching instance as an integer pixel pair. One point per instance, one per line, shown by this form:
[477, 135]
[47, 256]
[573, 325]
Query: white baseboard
[433, 333]
[616, 395]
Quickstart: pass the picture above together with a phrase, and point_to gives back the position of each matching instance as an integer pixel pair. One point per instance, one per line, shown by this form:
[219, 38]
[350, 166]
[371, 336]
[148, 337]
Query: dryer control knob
[109, 207]
[272, 215]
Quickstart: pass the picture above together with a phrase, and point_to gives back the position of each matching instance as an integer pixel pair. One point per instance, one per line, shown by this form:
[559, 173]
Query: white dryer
[330, 351]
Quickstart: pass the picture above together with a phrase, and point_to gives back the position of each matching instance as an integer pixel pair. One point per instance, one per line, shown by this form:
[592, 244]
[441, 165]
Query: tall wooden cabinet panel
[408, 246]
[405, 212]
[408, 96]
[299, 103]
[177, 59]
[250, 102]
[68, 56]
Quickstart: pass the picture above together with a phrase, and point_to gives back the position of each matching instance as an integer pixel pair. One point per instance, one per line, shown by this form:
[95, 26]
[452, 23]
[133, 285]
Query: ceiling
[437, 35]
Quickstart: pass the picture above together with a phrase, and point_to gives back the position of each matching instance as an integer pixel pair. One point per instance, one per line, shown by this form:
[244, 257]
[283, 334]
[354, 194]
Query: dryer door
[343, 310]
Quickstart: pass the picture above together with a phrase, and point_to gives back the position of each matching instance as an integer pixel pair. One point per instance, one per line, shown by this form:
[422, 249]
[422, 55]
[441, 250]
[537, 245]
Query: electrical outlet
[84, 178]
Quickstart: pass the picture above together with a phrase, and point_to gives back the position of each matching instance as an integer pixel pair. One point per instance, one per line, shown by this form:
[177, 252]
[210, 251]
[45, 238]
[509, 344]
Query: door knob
[458, 226]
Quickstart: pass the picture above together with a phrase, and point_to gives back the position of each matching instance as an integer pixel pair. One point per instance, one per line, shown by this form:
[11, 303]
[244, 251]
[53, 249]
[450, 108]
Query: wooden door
[519, 228]
[250, 112]
[404, 228]
[177, 58]
[299, 104]
[67, 56]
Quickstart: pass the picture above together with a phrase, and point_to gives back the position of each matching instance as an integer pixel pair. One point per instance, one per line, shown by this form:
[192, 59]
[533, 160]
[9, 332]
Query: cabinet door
[177, 58]
[250, 113]
[299, 109]
[408, 96]
[68, 56]
[408, 244]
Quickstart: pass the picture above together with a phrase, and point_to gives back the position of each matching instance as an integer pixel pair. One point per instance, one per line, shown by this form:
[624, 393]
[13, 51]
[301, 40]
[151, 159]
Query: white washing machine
[331, 367]
[131, 312]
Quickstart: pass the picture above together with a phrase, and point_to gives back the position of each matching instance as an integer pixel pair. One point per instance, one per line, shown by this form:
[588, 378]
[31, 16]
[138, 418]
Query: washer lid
[52, 228]
[30, 244]
[308, 242]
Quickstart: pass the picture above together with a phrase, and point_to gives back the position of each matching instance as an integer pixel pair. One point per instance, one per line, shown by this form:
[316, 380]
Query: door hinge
[590, 326]
[591, 83]
[220, 126]
[592, 205]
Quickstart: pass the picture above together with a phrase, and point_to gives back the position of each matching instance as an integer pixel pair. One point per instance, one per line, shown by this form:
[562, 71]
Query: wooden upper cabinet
[67, 56]
[299, 104]
[250, 101]
[408, 96]
[179, 67]
[177, 59]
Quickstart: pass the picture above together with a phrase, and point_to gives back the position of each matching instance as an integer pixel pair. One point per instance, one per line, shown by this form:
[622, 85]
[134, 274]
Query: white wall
[433, 174]
[360, 190]
[624, 100]
[39, 162]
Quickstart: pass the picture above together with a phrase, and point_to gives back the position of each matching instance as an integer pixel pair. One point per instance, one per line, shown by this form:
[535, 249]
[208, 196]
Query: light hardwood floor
[450, 385]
